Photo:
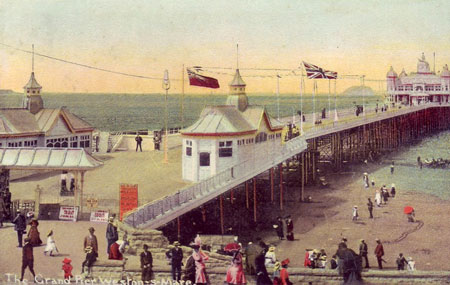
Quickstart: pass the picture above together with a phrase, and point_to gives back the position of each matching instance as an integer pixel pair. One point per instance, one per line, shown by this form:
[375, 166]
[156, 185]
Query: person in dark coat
[27, 258]
[351, 264]
[91, 257]
[111, 233]
[175, 256]
[33, 234]
[3, 211]
[279, 228]
[363, 253]
[189, 270]
[370, 207]
[401, 262]
[20, 225]
[262, 277]
[138, 140]
[379, 253]
[146, 264]
[290, 229]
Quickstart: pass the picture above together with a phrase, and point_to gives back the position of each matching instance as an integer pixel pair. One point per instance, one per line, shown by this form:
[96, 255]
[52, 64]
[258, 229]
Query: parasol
[232, 247]
[408, 210]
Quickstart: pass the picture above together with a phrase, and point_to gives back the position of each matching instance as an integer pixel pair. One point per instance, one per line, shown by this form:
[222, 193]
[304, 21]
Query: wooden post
[302, 193]
[246, 195]
[281, 185]
[221, 214]
[178, 228]
[271, 184]
[254, 199]
[81, 194]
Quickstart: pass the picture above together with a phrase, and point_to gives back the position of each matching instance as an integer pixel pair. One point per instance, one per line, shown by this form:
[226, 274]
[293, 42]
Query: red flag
[315, 72]
[202, 81]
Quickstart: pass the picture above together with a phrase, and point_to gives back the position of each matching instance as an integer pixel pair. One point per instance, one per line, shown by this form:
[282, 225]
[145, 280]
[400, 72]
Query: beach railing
[147, 214]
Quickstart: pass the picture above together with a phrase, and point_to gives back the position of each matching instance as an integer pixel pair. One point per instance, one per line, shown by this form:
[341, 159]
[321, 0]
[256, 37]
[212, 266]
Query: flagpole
[335, 102]
[278, 96]
[166, 86]
[182, 97]
[329, 100]
[301, 104]
[314, 102]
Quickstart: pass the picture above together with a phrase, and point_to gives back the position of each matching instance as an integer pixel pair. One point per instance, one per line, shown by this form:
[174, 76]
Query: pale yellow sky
[147, 37]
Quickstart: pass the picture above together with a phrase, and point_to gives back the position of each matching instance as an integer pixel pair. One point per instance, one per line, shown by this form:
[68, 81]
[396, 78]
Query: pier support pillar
[271, 184]
[280, 168]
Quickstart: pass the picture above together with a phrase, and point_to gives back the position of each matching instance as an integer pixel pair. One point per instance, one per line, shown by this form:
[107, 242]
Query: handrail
[249, 168]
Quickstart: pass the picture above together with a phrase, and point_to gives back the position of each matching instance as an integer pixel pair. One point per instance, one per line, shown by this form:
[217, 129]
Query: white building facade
[419, 87]
[228, 135]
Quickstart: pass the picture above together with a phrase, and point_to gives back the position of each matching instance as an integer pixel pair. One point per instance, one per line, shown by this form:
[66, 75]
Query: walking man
[146, 264]
[20, 225]
[91, 240]
[176, 260]
[363, 253]
[138, 140]
[27, 259]
[370, 207]
[379, 253]
[279, 228]
[111, 233]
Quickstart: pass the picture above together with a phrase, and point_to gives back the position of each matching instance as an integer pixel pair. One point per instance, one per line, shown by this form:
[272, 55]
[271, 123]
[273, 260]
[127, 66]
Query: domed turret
[445, 72]
[391, 73]
[237, 96]
[403, 73]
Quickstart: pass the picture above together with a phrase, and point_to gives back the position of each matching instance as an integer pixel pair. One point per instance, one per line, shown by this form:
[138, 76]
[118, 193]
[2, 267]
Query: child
[67, 268]
[401, 262]
[284, 275]
[411, 264]
[90, 259]
[51, 245]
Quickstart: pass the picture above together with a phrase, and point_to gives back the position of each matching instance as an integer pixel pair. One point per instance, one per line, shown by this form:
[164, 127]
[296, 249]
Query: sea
[133, 112]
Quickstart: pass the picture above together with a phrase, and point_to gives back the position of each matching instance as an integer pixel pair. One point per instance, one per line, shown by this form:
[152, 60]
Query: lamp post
[166, 86]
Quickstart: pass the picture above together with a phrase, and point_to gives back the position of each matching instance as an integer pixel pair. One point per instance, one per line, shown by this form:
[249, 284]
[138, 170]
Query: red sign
[68, 213]
[128, 198]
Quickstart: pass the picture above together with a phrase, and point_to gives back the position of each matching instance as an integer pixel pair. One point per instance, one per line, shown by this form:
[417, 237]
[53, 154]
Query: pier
[351, 139]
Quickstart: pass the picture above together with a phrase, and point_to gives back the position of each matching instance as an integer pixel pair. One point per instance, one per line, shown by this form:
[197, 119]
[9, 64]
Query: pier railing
[153, 214]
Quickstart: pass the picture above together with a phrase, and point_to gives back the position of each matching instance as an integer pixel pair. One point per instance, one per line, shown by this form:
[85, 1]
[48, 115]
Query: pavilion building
[36, 126]
[226, 136]
[419, 87]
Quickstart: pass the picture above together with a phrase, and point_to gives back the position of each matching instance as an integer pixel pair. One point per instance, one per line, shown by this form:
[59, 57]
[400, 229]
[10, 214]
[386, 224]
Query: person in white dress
[411, 264]
[271, 258]
[51, 245]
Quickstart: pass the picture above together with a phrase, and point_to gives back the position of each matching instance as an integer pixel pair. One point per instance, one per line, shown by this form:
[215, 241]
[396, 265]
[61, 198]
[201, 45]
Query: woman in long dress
[33, 234]
[378, 197]
[235, 272]
[200, 267]
[271, 258]
[290, 229]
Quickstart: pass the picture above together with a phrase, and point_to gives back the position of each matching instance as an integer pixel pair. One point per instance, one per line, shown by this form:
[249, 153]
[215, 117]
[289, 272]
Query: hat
[361, 240]
[176, 243]
[271, 248]
[67, 260]
[285, 262]
[393, 185]
[50, 233]
[365, 173]
[316, 251]
[377, 239]
[355, 206]
[277, 266]
[88, 249]
[344, 239]
[18, 211]
[111, 219]
[91, 229]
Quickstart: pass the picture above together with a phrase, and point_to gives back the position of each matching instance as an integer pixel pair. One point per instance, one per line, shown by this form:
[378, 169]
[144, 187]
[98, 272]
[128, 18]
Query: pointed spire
[32, 59]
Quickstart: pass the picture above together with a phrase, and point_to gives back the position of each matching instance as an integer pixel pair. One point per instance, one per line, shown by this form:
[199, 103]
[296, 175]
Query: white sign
[68, 213]
[99, 216]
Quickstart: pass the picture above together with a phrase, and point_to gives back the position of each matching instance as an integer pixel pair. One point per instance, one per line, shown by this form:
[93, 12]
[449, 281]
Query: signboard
[92, 202]
[68, 213]
[99, 216]
[128, 198]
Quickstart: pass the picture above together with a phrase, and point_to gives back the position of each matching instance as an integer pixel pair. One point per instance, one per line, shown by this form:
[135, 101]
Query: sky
[148, 37]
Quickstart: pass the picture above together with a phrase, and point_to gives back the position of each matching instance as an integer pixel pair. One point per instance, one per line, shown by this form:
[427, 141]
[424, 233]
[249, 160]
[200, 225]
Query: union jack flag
[315, 72]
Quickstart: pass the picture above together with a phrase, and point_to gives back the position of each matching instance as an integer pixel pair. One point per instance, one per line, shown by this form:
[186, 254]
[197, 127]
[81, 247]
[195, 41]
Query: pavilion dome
[445, 72]
[391, 73]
